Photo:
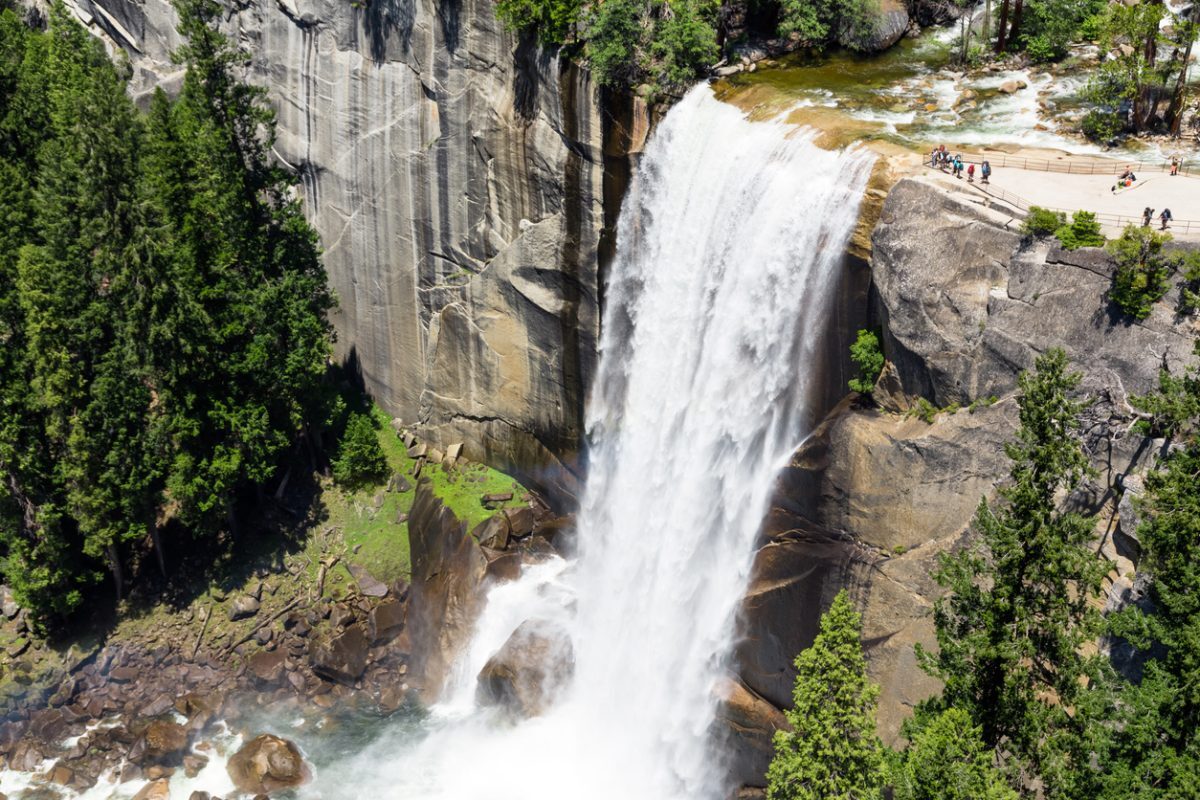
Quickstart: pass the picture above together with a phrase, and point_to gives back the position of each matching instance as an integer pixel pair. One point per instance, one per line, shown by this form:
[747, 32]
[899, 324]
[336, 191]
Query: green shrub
[683, 44]
[360, 457]
[1143, 270]
[1189, 287]
[613, 30]
[1043, 221]
[982, 402]
[923, 410]
[552, 20]
[866, 353]
[1084, 231]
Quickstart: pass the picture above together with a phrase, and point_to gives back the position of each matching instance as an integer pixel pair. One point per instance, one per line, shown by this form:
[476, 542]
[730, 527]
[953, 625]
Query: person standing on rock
[1174, 165]
[970, 173]
[1165, 216]
[1147, 215]
[985, 172]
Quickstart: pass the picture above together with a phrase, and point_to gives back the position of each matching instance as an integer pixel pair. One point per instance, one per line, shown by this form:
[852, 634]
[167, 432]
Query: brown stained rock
[747, 724]
[267, 667]
[163, 741]
[157, 790]
[524, 675]
[446, 595]
[341, 615]
[520, 521]
[493, 532]
[192, 764]
[385, 620]
[124, 674]
[61, 774]
[504, 567]
[343, 658]
[267, 764]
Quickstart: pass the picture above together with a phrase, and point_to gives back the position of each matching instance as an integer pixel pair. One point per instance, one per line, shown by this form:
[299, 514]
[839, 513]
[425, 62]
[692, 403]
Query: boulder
[267, 764]
[493, 532]
[524, 675]
[163, 741]
[887, 28]
[368, 584]
[343, 658]
[155, 790]
[267, 667]
[243, 608]
[385, 620]
[1012, 86]
[8, 604]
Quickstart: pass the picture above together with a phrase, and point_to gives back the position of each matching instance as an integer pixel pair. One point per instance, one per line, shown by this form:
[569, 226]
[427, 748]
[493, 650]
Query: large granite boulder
[267, 764]
[448, 570]
[886, 28]
[525, 674]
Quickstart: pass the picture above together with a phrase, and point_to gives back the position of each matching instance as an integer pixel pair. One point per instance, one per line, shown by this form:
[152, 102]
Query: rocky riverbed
[307, 638]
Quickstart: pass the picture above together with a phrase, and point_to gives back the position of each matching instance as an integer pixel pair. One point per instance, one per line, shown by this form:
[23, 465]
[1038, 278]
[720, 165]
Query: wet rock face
[267, 764]
[524, 675]
[448, 568]
[456, 179]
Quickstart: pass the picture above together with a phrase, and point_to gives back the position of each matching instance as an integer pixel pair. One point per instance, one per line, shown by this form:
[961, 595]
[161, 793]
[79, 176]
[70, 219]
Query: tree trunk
[987, 22]
[1002, 28]
[1018, 10]
[231, 517]
[114, 565]
[156, 541]
[1179, 96]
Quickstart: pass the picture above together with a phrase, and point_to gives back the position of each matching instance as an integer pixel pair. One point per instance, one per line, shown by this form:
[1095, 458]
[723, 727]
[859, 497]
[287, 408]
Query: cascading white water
[730, 244]
[729, 248]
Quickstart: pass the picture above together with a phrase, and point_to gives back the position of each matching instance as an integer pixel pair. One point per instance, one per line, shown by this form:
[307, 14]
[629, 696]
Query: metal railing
[1078, 166]
[1176, 226]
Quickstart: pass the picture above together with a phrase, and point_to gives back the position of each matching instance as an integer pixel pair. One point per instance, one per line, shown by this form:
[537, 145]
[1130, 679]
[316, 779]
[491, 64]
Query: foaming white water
[730, 244]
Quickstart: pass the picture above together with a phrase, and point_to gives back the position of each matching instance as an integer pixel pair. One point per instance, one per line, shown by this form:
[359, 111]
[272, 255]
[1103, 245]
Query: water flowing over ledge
[729, 247]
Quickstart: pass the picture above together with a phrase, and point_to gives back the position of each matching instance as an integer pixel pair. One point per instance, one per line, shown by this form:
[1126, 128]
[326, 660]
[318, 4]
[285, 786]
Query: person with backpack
[1147, 215]
[985, 172]
[1165, 216]
[970, 173]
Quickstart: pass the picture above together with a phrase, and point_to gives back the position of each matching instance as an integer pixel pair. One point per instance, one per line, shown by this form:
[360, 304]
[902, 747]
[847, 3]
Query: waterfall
[730, 246]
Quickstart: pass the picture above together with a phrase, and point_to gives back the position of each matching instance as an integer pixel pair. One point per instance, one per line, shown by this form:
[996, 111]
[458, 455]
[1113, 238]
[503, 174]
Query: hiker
[1146, 216]
[957, 165]
[1127, 173]
[933, 158]
[985, 172]
[1174, 165]
[970, 173]
[1165, 216]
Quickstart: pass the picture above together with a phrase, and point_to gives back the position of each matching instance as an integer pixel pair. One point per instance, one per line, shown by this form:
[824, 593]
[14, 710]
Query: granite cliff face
[456, 176]
[875, 494]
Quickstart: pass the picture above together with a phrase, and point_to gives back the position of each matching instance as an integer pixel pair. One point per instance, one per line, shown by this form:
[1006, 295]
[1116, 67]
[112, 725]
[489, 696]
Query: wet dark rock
[267, 764]
[163, 741]
[525, 674]
[343, 658]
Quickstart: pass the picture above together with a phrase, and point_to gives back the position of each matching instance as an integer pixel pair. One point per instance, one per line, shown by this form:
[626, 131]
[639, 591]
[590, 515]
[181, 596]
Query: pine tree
[360, 457]
[1011, 628]
[832, 751]
[947, 760]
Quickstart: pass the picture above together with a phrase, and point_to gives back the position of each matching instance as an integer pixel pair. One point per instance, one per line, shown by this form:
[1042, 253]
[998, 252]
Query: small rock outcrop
[883, 31]
[525, 674]
[267, 764]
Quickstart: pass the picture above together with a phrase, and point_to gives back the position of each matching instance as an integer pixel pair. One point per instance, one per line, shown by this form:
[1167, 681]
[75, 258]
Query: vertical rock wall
[456, 178]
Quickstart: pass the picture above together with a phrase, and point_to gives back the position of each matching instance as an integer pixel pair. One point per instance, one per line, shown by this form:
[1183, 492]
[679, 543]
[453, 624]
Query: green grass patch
[367, 516]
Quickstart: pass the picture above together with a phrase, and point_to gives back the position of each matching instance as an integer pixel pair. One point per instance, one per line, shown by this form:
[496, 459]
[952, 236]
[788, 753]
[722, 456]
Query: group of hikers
[1148, 214]
[940, 158]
